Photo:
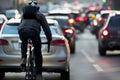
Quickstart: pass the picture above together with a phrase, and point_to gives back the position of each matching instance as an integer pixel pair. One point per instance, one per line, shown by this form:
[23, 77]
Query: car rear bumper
[111, 44]
[51, 63]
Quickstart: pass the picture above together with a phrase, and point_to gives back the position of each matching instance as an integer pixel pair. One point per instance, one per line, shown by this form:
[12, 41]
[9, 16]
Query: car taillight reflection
[104, 32]
[3, 42]
[58, 42]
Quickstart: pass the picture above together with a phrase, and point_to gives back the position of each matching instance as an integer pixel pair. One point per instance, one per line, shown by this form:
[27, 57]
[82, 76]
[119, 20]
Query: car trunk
[13, 47]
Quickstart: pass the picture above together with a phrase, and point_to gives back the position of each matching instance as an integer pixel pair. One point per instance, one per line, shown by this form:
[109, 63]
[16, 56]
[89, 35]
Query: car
[109, 34]
[3, 18]
[99, 21]
[73, 17]
[12, 13]
[67, 29]
[57, 60]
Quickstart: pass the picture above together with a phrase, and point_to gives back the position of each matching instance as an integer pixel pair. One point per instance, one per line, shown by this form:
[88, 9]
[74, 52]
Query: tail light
[85, 18]
[95, 23]
[58, 42]
[71, 21]
[79, 19]
[68, 30]
[3, 42]
[99, 19]
[104, 32]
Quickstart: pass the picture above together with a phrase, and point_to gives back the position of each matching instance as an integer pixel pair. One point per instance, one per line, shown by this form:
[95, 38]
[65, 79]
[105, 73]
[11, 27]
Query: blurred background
[50, 4]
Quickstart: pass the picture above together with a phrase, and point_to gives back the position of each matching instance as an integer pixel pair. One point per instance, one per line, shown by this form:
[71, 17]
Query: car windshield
[114, 21]
[11, 28]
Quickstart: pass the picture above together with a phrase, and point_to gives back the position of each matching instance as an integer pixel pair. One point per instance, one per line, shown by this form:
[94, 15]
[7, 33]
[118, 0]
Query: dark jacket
[35, 24]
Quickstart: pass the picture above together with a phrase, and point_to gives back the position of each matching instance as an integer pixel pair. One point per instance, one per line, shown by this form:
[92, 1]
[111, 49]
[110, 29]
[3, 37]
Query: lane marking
[98, 68]
[87, 56]
[91, 60]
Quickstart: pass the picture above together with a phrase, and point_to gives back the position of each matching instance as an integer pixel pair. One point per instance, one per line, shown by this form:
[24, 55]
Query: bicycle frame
[30, 71]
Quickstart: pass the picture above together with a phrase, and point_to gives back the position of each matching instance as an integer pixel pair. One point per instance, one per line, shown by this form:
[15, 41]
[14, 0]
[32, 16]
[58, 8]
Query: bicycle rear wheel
[30, 71]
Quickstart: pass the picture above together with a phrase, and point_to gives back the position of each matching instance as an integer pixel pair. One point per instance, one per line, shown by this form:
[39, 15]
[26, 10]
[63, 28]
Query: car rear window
[63, 23]
[11, 28]
[105, 15]
[114, 21]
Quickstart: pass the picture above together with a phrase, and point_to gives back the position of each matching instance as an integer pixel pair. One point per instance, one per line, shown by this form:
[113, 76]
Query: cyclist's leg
[37, 50]
[23, 36]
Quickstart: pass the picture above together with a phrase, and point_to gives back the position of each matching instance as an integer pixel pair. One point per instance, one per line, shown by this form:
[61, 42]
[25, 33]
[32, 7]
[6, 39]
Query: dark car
[68, 30]
[99, 21]
[109, 34]
[74, 17]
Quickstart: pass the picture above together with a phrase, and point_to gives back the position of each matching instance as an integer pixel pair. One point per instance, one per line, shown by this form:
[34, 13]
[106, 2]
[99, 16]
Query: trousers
[24, 35]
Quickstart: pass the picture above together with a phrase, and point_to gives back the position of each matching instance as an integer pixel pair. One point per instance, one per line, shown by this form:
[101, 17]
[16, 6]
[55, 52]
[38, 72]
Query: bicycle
[30, 67]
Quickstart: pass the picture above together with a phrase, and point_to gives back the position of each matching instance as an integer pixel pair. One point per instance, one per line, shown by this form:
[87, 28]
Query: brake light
[71, 21]
[68, 30]
[3, 42]
[99, 19]
[95, 23]
[105, 32]
[85, 18]
[58, 42]
[79, 19]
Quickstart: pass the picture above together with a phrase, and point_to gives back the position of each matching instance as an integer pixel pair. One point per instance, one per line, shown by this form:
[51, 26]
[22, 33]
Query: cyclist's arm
[46, 28]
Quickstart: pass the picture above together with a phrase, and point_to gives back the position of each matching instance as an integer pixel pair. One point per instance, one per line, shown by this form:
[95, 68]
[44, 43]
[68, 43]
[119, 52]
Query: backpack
[29, 12]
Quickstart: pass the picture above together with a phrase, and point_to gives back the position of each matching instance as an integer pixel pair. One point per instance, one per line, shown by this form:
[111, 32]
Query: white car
[55, 61]
[12, 13]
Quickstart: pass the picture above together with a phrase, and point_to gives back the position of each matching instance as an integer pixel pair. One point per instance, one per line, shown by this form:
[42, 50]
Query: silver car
[55, 61]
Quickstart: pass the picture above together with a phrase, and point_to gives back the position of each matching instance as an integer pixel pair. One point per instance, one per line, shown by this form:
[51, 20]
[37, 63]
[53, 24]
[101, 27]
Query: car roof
[14, 20]
[57, 17]
[60, 10]
[109, 11]
[12, 10]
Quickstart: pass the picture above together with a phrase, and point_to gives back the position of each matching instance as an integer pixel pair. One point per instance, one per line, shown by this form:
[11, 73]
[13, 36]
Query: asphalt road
[85, 64]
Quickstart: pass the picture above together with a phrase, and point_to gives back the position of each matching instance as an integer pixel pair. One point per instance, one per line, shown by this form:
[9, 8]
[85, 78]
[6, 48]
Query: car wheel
[102, 51]
[65, 75]
[2, 75]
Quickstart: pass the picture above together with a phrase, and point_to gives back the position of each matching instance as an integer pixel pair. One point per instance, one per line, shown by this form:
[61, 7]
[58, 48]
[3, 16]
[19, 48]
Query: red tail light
[105, 32]
[68, 30]
[85, 18]
[58, 42]
[79, 19]
[99, 19]
[3, 42]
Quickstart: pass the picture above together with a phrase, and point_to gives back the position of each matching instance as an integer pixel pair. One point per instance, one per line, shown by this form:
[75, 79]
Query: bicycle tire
[30, 71]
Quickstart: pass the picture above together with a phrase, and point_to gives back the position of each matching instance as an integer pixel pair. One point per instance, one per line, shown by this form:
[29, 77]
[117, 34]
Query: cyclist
[30, 28]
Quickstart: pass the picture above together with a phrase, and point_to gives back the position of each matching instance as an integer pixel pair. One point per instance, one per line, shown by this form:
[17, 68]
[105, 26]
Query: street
[85, 64]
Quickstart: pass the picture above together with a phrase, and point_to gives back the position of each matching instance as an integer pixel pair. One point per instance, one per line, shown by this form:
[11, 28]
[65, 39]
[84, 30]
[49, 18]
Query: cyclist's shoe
[39, 77]
[23, 64]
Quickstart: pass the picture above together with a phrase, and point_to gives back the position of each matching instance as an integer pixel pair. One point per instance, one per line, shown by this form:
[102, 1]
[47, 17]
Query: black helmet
[34, 3]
